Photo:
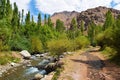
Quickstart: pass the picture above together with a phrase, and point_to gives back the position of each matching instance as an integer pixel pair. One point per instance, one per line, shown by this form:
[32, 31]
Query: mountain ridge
[94, 14]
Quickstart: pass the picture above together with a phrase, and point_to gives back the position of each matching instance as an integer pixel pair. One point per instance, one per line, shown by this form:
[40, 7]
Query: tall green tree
[22, 16]
[39, 20]
[73, 24]
[91, 32]
[49, 22]
[2, 9]
[109, 22]
[45, 19]
[15, 18]
[27, 19]
[82, 27]
[8, 10]
[60, 25]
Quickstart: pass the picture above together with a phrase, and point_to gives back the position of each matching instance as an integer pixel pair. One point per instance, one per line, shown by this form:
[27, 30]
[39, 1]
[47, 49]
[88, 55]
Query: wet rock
[38, 55]
[53, 66]
[25, 54]
[38, 76]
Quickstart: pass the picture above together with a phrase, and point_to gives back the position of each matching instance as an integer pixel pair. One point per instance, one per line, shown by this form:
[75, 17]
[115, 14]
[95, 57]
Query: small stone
[38, 76]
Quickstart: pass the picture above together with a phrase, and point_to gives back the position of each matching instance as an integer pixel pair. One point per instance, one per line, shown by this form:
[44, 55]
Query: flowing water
[23, 72]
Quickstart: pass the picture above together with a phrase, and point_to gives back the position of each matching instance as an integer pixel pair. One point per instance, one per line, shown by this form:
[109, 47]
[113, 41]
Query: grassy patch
[6, 57]
[57, 73]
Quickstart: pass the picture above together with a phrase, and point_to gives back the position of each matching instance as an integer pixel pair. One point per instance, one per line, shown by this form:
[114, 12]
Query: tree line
[19, 32]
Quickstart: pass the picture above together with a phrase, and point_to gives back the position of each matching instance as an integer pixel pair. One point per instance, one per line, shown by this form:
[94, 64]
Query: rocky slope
[95, 14]
[64, 16]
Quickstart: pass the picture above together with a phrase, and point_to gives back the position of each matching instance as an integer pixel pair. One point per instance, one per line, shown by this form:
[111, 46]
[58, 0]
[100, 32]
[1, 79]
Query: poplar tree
[45, 19]
[39, 20]
[15, 18]
[27, 19]
[109, 22]
[82, 27]
[8, 10]
[22, 16]
[59, 25]
[49, 22]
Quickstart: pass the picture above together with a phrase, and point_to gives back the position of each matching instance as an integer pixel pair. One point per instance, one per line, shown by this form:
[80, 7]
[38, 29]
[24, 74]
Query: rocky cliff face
[96, 14]
[64, 16]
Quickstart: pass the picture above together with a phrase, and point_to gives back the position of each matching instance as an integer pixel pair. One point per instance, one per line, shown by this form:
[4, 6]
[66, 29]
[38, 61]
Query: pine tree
[39, 20]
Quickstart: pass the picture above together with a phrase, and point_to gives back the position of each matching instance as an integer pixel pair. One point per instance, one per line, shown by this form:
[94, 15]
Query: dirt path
[89, 65]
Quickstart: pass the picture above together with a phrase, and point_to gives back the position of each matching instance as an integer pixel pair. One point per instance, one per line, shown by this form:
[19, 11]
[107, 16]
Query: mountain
[95, 14]
[64, 16]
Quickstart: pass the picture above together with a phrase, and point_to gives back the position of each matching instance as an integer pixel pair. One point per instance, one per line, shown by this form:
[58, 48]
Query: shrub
[36, 45]
[19, 43]
[81, 42]
[109, 52]
[3, 47]
[57, 47]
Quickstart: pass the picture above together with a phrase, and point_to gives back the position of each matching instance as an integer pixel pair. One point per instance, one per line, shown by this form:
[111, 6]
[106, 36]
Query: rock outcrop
[64, 16]
[96, 14]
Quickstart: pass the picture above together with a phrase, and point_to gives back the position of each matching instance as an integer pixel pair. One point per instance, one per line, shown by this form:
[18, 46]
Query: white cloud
[22, 4]
[117, 7]
[51, 6]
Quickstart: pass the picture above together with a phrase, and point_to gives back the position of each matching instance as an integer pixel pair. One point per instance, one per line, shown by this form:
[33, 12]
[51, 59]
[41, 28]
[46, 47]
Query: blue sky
[52, 6]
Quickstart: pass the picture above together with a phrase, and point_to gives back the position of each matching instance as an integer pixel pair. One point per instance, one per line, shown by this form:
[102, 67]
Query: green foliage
[39, 20]
[109, 22]
[59, 25]
[6, 57]
[73, 25]
[36, 45]
[82, 27]
[91, 33]
[57, 74]
[19, 43]
[57, 47]
[81, 42]
[109, 52]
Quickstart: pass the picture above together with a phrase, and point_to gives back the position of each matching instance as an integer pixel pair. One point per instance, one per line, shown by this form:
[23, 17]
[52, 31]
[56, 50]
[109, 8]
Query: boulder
[12, 64]
[53, 66]
[37, 55]
[25, 54]
[38, 76]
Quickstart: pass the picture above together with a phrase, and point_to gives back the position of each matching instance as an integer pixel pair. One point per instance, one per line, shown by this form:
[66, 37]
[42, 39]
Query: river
[23, 72]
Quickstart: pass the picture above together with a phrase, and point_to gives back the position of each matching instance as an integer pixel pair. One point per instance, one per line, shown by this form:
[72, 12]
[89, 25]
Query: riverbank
[10, 65]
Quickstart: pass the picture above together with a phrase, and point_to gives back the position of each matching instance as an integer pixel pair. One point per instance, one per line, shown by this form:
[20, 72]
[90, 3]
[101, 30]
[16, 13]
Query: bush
[36, 45]
[6, 57]
[57, 47]
[109, 52]
[19, 43]
[81, 42]
[3, 47]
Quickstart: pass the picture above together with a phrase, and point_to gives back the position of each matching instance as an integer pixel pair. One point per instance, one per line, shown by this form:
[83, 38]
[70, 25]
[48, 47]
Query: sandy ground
[89, 65]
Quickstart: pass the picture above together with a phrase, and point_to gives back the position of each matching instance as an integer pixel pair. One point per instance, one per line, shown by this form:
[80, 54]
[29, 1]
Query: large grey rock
[25, 54]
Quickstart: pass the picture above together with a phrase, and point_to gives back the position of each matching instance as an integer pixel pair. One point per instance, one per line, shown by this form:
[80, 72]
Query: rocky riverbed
[30, 67]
